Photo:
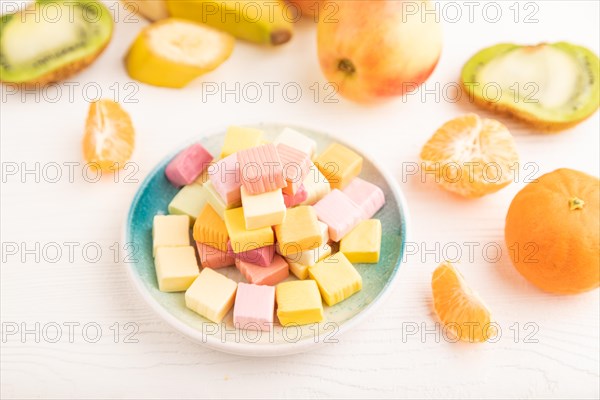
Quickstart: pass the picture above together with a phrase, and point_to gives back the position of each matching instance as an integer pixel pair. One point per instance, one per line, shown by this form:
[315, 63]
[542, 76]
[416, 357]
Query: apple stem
[346, 66]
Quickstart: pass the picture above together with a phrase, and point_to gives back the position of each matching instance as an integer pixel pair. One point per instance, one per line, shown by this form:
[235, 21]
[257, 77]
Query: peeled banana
[173, 52]
[258, 21]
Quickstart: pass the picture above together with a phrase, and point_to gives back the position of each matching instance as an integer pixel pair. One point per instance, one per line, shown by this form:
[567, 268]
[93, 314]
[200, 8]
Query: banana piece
[153, 10]
[173, 52]
[258, 21]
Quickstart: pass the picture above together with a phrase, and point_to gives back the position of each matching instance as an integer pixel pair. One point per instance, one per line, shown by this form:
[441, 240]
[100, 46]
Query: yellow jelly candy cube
[243, 239]
[211, 295]
[337, 278]
[190, 200]
[300, 271]
[215, 200]
[176, 268]
[299, 231]
[316, 186]
[339, 165]
[170, 231]
[238, 138]
[298, 302]
[261, 210]
[363, 243]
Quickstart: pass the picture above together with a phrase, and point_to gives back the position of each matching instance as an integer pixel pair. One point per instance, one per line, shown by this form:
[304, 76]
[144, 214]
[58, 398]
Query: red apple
[307, 8]
[374, 50]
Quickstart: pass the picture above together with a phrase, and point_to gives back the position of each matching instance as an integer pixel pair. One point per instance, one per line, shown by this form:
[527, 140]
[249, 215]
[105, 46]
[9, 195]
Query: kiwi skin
[531, 119]
[64, 71]
[61, 73]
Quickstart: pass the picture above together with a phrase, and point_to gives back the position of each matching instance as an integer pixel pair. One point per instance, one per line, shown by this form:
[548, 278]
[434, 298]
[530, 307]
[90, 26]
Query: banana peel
[153, 10]
[259, 21]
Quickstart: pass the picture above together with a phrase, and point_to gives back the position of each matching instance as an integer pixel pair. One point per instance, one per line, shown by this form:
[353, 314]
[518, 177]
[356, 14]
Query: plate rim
[271, 349]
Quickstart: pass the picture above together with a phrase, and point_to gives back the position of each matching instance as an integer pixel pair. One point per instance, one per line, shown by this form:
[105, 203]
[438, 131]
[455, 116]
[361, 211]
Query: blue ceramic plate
[153, 198]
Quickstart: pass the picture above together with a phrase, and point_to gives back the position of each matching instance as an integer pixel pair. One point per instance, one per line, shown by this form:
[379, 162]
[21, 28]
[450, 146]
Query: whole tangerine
[552, 232]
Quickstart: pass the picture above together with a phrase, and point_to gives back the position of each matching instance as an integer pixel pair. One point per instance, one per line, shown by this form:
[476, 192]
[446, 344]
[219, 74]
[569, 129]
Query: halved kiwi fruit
[52, 39]
[552, 86]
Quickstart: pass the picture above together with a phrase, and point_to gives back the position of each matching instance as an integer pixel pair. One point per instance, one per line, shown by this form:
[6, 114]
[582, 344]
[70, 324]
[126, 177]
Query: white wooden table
[548, 346]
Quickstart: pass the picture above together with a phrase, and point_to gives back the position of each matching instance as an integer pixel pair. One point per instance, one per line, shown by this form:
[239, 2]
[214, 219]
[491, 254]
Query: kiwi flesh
[51, 40]
[551, 86]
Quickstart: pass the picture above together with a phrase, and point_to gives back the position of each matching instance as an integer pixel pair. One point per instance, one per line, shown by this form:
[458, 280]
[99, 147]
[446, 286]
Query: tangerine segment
[109, 136]
[471, 156]
[459, 308]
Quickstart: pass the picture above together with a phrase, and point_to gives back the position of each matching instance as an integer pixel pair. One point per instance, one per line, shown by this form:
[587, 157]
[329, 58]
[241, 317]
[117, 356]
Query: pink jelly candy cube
[213, 258]
[296, 165]
[225, 177]
[254, 307]
[295, 199]
[367, 196]
[271, 275]
[188, 165]
[260, 169]
[262, 256]
[339, 212]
